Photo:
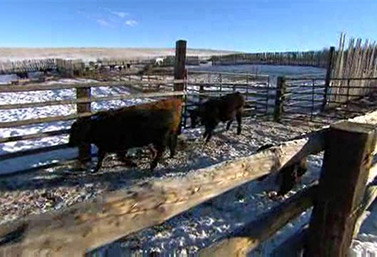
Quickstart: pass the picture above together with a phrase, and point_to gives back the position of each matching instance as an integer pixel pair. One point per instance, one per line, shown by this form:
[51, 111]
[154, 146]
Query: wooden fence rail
[58, 86]
[252, 234]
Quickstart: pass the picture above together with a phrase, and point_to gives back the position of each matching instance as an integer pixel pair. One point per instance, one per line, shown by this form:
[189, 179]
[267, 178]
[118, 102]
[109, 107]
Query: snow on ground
[62, 186]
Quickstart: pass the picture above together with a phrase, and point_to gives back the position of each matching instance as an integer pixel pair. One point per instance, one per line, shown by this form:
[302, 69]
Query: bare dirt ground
[91, 54]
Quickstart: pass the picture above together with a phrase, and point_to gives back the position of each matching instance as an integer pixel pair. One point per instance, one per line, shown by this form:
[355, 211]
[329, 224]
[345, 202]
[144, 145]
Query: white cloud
[131, 23]
[110, 18]
[103, 22]
[119, 14]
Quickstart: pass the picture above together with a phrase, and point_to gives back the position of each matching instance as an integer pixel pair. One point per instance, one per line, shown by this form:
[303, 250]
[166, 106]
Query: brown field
[89, 54]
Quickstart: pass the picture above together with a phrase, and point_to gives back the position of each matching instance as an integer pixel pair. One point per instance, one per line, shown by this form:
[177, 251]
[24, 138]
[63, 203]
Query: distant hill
[89, 54]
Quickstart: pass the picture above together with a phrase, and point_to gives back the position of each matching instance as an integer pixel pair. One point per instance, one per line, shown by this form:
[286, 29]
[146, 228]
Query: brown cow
[156, 123]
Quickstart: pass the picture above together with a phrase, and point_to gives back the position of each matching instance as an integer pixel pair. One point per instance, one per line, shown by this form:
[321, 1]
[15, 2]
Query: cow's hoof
[273, 195]
[129, 163]
[153, 166]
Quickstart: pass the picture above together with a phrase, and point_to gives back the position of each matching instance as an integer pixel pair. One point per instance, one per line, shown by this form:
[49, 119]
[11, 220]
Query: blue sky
[245, 25]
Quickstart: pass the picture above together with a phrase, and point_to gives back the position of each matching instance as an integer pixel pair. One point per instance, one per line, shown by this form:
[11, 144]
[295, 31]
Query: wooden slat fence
[309, 58]
[358, 60]
[24, 66]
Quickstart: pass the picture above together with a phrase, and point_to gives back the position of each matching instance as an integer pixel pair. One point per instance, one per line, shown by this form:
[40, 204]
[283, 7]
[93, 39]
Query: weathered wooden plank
[89, 100]
[241, 242]
[55, 86]
[11, 124]
[12, 155]
[342, 185]
[89, 225]
[34, 136]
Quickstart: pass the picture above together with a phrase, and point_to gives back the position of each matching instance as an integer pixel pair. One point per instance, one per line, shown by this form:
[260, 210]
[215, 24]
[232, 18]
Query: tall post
[347, 159]
[179, 66]
[85, 149]
[279, 98]
[328, 77]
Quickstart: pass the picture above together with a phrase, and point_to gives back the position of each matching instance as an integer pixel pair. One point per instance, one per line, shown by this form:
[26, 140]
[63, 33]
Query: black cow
[225, 109]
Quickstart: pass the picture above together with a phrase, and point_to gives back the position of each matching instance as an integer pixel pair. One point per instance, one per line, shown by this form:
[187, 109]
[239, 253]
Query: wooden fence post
[347, 159]
[179, 66]
[84, 150]
[180, 69]
[328, 77]
[279, 98]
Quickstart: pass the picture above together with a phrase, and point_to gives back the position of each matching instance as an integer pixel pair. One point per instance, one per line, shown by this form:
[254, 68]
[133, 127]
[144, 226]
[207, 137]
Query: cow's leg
[173, 138]
[288, 180]
[205, 132]
[239, 121]
[126, 160]
[210, 128]
[209, 135]
[228, 125]
[153, 151]
[121, 155]
[101, 156]
[160, 151]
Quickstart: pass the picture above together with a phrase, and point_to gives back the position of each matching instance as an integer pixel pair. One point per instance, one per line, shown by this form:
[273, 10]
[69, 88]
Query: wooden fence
[86, 226]
[24, 66]
[357, 61]
[309, 58]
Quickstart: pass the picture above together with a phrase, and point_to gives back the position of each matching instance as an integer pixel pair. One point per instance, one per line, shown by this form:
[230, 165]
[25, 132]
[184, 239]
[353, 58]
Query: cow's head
[80, 132]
